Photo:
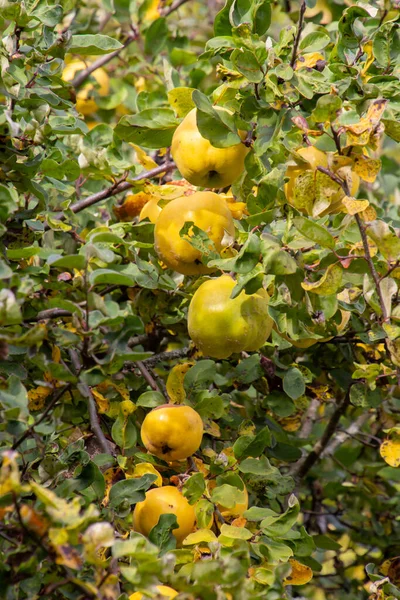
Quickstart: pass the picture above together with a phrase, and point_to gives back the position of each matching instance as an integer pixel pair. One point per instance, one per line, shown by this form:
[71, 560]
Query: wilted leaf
[299, 575]
[329, 283]
[353, 206]
[175, 382]
[390, 448]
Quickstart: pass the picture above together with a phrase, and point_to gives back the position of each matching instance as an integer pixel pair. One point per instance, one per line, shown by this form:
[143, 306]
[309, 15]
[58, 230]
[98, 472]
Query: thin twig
[116, 189]
[392, 268]
[336, 139]
[303, 466]
[300, 25]
[364, 240]
[103, 60]
[174, 6]
[147, 376]
[372, 269]
[94, 420]
[60, 392]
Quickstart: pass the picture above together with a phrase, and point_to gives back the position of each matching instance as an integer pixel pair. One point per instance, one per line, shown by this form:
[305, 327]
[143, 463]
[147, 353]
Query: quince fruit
[172, 431]
[163, 590]
[207, 211]
[220, 325]
[85, 103]
[201, 163]
[314, 193]
[161, 501]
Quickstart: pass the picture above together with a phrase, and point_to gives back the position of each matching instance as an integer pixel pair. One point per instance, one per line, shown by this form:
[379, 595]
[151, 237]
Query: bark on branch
[116, 189]
[304, 465]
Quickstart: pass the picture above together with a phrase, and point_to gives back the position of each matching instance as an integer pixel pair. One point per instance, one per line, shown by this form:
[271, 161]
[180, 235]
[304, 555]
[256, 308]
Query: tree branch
[115, 189]
[174, 6]
[372, 269]
[147, 376]
[60, 392]
[300, 25]
[50, 313]
[303, 466]
[309, 419]
[343, 435]
[171, 355]
[368, 257]
[94, 420]
[103, 60]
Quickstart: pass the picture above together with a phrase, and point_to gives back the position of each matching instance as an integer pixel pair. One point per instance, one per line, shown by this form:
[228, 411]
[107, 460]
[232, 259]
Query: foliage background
[91, 324]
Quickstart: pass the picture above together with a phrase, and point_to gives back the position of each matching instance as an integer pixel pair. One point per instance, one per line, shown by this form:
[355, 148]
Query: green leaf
[215, 125]
[194, 487]
[150, 399]
[161, 535]
[73, 261]
[293, 383]
[280, 525]
[314, 41]
[252, 445]
[123, 432]
[200, 376]
[91, 45]
[151, 128]
[130, 491]
[156, 36]
[314, 232]
[326, 543]
[103, 276]
[236, 533]
[180, 99]
[247, 64]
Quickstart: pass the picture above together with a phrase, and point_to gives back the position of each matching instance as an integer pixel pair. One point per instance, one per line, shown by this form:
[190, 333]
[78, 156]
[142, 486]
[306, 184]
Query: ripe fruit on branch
[172, 431]
[201, 163]
[163, 590]
[208, 212]
[220, 325]
[161, 501]
[315, 193]
[85, 103]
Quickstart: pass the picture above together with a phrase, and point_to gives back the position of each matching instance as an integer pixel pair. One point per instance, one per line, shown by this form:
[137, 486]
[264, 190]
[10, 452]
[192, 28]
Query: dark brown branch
[50, 313]
[147, 376]
[57, 395]
[300, 26]
[116, 189]
[364, 240]
[336, 139]
[372, 269]
[94, 420]
[303, 466]
[103, 60]
[171, 355]
[174, 6]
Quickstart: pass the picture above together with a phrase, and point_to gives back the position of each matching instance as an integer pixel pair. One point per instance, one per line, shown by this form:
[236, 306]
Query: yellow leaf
[358, 134]
[127, 407]
[143, 468]
[368, 50]
[152, 10]
[37, 397]
[102, 402]
[200, 536]
[55, 354]
[132, 206]
[307, 61]
[291, 423]
[369, 214]
[111, 476]
[329, 283]
[353, 206]
[391, 568]
[175, 388]
[394, 350]
[146, 161]
[9, 473]
[390, 448]
[300, 574]
[180, 99]
[212, 428]
[33, 520]
[320, 6]
[367, 168]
